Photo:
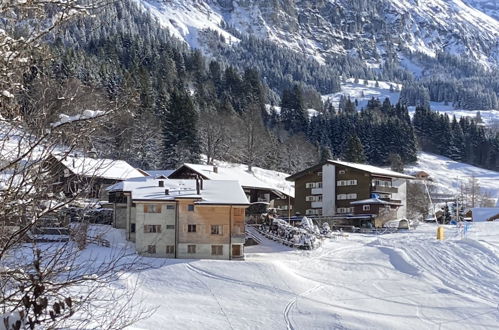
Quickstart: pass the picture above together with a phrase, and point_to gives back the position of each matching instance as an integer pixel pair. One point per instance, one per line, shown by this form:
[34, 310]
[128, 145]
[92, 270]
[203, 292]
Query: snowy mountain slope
[489, 7]
[449, 174]
[362, 281]
[324, 28]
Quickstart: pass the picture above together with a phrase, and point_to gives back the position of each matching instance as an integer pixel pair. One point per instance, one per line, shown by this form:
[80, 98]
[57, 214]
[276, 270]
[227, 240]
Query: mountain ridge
[324, 29]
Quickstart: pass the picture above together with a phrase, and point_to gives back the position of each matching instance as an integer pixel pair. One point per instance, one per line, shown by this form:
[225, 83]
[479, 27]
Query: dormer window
[161, 183]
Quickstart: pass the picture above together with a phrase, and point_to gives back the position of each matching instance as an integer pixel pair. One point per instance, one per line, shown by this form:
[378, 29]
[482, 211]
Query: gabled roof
[159, 173]
[101, 168]
[258, 178]
[213, 192]
[484, 213]
[374, 170]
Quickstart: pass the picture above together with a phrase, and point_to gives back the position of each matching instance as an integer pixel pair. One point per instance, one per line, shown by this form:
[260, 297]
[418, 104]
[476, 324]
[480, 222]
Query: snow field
[448, 174]
[390, 281]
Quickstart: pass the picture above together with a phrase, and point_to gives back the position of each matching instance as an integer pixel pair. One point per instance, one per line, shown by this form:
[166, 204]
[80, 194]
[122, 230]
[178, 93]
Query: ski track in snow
[364, 281]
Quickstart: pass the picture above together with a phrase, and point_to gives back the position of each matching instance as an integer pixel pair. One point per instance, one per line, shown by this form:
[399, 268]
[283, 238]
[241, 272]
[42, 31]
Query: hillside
[449, 174]
[381, 90]
[328, 28]
[353, 283]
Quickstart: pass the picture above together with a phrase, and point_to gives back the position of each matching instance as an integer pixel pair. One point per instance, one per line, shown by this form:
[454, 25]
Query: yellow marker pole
[440, 233]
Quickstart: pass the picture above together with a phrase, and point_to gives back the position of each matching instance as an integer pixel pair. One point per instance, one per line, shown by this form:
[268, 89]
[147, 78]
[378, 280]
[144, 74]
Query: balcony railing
[384, 189]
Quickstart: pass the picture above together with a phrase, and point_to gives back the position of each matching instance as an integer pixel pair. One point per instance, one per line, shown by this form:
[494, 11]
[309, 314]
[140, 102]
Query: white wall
[328, 190]
[162, 239]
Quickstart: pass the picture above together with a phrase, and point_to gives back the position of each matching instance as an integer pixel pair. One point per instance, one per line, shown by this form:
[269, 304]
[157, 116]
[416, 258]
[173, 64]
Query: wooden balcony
[383, 189]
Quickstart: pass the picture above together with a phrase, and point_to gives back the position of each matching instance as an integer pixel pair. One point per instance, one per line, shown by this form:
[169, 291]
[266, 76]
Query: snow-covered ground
[449, 174]
[402, 280]
[364, 92]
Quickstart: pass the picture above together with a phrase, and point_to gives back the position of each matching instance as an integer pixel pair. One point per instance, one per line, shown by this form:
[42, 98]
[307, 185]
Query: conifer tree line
[464, 140]
[184, 105]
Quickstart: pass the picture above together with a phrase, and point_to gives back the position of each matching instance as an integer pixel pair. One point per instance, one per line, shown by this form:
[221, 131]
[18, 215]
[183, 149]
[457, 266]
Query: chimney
[215, 169]
[197, 187]
[167, 191]
[161, 183]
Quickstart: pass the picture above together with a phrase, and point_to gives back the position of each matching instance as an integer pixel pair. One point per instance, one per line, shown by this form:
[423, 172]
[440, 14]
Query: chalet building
[335, 188]
[422, 175]
[76, 173]
[259, 185]
[176, 218]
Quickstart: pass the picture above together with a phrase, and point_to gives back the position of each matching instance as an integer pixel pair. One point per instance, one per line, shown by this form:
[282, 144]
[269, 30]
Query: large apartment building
[343, 188]
[190, 219]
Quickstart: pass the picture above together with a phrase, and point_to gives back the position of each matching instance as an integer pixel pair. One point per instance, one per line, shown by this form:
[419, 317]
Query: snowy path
[401, 280]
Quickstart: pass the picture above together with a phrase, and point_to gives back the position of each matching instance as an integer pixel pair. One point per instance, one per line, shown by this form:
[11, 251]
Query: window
[352, 196]
[341, 196]
[152, 228]
[344, 210]
[170, 207]
[313, 185]
[170, 249]
[382, 183]
[366, 208]
[216, 229]
[191, 248]
[319, 173]
[191, 228]
[190, 207]
[170, 226]
[151, 249]
[352, 182]
[152, 208]
[313, 212]
[132, 228]
[340, 183]
[341, 172]
[217, 250]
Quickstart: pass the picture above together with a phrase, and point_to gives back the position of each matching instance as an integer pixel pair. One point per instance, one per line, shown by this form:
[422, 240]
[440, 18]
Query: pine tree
[325, 154]
[180, 137]
[354, 151]
[293, 114]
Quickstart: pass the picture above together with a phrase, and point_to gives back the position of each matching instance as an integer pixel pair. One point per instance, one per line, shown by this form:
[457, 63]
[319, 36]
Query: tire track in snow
[252, 285]
[212, 294]
[292, 303]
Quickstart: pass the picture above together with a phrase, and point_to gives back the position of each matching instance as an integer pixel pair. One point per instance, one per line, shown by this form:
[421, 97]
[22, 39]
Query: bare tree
[49, 285]
[216, 138]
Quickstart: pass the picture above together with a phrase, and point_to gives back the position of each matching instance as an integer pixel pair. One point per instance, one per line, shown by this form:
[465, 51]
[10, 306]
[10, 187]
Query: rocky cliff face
[366, 28]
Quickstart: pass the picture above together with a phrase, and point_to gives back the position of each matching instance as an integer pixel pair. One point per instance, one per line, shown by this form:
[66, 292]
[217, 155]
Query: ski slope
[392, 281]
[449, 174]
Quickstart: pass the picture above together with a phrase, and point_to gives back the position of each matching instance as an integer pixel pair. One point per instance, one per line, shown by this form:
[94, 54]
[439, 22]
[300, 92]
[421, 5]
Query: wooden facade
[329, 188]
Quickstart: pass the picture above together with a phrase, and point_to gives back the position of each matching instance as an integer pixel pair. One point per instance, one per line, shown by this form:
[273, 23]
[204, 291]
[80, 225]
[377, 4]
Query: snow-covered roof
[374, 201]
[483, 213]
[372, 169]
[157, 173]
[102, 168]
[258, 177]
[220, 192]
[362, 167]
